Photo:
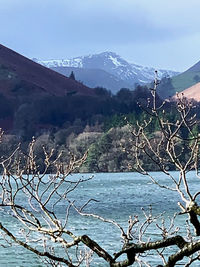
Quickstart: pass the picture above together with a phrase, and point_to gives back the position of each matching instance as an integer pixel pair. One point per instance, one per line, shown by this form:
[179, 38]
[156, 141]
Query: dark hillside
[21, 76]
[24, 82]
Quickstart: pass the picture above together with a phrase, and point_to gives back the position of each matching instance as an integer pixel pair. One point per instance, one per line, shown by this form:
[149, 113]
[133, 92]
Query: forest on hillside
[71, 125]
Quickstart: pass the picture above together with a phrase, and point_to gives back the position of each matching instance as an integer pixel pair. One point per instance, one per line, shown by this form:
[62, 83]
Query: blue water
[119, 195]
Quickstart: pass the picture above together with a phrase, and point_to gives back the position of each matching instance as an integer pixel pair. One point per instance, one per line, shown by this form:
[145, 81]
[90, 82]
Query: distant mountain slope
[187, 79]
[194, 68]
[22, 76]
[94, 77]
[112, 63]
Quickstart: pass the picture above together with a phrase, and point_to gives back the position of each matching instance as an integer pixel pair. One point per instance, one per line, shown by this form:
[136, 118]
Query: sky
[158, 33]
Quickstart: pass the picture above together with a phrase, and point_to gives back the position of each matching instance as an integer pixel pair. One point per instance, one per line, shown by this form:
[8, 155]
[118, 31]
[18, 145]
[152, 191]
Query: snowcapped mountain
[112, 63]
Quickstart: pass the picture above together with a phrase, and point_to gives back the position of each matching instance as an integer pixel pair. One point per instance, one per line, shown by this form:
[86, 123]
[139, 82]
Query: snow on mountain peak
[113, 64]
[75, 62]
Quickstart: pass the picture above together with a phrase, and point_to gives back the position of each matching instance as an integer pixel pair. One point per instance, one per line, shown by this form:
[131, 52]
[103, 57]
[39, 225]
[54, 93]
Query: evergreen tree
[72, 76]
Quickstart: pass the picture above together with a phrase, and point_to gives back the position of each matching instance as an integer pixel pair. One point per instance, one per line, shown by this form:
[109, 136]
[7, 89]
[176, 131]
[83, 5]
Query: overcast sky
[158, 33]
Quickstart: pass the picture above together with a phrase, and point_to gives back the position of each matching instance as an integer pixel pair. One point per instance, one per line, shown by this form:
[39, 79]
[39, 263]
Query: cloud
[97, 21]
[64, 28]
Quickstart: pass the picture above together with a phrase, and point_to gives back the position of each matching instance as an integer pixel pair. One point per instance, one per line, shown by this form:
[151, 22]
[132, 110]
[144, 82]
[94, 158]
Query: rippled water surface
[119, 195]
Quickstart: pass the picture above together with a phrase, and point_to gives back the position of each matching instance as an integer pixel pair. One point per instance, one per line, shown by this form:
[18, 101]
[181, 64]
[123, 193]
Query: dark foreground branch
[186, 251]
[132, 249]
[96, 248]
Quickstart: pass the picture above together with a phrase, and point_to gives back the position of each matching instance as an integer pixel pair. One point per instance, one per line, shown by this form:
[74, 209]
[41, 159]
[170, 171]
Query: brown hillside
[22, 76]
[193, 92]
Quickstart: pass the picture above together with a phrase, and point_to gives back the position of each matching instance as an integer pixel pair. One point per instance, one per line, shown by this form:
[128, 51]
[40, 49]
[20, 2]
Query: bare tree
[33, 198]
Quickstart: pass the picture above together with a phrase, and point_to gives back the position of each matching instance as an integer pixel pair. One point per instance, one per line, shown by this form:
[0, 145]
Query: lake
[119, 195]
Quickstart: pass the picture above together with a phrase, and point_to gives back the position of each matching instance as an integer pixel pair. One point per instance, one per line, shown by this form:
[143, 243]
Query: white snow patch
[115, 61]
[76, 62]
[142, 81]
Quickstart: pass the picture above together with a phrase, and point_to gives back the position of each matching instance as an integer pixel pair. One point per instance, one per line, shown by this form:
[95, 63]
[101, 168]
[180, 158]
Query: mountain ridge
[111, 63]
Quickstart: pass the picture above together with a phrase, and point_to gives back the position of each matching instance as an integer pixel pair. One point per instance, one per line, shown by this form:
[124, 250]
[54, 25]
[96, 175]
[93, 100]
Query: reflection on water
[119, 195]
